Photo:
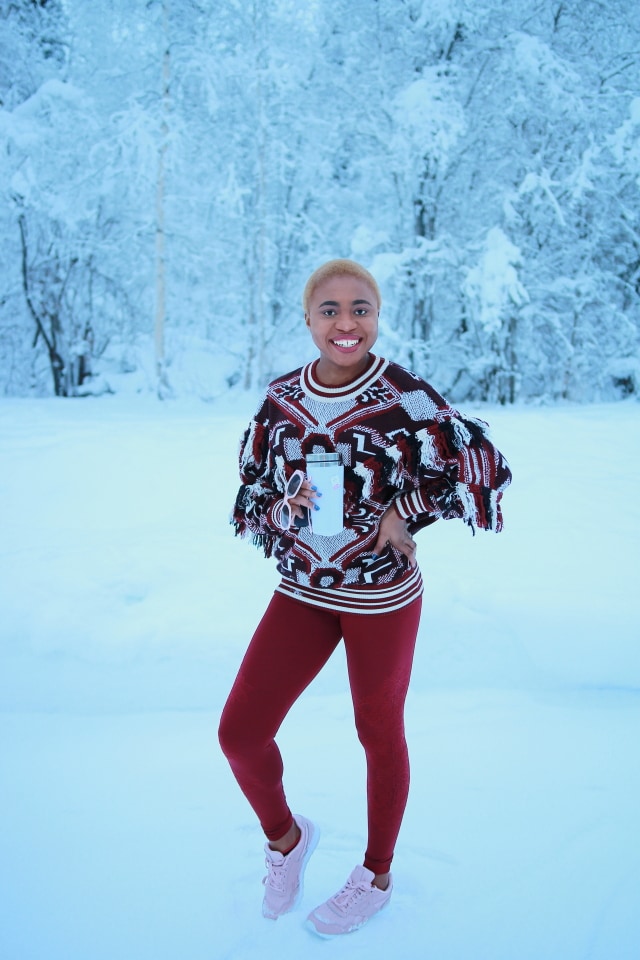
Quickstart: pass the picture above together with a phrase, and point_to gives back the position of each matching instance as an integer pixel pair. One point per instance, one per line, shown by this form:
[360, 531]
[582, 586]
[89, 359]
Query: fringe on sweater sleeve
[472, 475]
[252, 511]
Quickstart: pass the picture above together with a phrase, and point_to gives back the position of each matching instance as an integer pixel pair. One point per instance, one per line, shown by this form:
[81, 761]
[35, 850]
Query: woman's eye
[361, 312]
[329, 312]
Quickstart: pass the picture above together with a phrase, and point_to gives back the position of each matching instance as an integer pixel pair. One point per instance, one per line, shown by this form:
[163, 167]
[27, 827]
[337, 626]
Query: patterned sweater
[400, 443]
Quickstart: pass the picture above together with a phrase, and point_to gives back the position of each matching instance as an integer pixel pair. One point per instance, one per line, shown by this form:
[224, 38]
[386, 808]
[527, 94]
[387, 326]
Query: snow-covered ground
[125, 607]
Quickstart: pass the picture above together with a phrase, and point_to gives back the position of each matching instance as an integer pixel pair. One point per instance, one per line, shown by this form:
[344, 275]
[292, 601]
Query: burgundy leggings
[291, 645]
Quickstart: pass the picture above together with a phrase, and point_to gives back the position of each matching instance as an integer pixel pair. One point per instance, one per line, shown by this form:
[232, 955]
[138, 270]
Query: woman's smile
[346, 344]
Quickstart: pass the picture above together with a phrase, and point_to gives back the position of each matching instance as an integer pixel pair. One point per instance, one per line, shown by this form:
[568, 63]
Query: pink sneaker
[351, 907]
[283, 882]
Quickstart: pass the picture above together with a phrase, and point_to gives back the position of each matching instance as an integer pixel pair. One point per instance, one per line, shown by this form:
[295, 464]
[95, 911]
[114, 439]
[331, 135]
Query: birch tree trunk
[254, 369]
[162, 382]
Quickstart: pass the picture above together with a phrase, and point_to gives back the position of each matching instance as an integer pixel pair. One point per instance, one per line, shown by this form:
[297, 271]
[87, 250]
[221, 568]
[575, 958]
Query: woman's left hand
[393, 530]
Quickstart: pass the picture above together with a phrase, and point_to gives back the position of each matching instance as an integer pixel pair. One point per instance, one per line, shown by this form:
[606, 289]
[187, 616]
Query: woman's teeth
[346, 343]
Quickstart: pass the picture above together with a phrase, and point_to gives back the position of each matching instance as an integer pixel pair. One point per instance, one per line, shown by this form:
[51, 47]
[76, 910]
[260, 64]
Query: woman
[409, 459]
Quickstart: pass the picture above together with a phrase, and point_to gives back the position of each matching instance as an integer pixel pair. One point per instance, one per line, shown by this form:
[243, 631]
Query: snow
[625, 142]
[126, 606]
[492, 286]
[425, 109]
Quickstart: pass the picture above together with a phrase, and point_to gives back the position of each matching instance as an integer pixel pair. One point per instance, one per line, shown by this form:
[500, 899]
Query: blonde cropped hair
[337, 268]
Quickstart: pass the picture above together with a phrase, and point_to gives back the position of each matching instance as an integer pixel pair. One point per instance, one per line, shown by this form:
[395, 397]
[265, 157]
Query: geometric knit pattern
[401, 443]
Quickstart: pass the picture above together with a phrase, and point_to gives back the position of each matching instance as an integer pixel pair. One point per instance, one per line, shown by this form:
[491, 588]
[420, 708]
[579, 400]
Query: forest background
[171, 171]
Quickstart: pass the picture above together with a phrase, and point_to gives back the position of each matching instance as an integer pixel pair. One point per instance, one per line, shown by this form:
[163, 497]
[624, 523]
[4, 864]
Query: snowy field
[126, 605]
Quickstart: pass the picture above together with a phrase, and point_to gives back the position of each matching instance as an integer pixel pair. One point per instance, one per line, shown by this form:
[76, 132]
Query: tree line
[171, 173]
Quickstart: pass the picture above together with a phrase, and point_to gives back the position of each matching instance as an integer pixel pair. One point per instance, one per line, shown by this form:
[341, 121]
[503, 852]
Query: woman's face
[343, 321]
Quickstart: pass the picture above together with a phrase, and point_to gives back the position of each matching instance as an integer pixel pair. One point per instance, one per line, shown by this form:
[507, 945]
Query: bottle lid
[323, 457]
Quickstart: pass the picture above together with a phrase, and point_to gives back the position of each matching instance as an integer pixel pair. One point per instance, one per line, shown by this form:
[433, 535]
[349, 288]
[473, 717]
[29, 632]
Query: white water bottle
[327, 474]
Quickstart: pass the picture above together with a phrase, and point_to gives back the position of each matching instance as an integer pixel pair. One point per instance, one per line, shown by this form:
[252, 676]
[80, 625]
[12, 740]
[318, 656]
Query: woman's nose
[346, 322]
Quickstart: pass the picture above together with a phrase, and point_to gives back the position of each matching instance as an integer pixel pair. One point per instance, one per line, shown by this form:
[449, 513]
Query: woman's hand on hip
[393, 530]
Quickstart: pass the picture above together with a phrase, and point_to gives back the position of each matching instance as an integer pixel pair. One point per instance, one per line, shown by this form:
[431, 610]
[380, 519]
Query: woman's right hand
[393, 530]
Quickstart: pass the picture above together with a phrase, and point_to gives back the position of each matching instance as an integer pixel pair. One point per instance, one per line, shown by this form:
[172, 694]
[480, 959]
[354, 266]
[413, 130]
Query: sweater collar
[346, 391]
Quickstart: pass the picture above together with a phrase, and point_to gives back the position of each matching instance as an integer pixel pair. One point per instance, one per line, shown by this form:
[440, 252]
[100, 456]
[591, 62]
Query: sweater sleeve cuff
[412, 504]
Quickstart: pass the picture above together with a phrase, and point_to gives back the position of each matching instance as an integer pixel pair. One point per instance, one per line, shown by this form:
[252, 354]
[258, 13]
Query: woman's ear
[307, 319]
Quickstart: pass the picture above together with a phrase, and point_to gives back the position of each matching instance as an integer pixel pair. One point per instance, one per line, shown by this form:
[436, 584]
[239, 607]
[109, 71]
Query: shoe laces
[276, 875]
[350, 894]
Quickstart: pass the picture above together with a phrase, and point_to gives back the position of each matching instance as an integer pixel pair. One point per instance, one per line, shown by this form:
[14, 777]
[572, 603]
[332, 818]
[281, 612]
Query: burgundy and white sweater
[400, 443]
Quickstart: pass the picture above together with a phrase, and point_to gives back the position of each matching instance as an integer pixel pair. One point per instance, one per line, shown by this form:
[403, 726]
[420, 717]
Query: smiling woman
[397, 457]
